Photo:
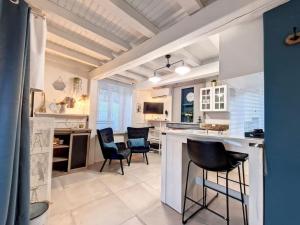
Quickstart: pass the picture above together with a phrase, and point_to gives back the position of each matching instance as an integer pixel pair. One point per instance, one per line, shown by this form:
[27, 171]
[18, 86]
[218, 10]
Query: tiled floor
[93, 198]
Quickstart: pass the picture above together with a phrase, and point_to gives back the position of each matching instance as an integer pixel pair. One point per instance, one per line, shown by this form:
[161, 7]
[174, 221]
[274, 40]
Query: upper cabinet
[214, 99]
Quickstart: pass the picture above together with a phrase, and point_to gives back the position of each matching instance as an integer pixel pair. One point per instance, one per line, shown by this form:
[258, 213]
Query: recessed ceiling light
[182, 70]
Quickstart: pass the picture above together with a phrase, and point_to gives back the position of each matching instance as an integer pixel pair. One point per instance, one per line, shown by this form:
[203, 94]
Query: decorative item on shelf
[214, 83]
[42, 108]
[82, 103]
[294, 38]
[59, 84]
[70, 102]
[53, 107]
[55, 141]
[77, 86]
[62, 108]
[199, 120]
[181, 70]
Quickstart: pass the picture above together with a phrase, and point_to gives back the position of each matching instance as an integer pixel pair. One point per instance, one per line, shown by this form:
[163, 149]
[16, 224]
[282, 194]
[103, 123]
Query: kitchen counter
[175, 160]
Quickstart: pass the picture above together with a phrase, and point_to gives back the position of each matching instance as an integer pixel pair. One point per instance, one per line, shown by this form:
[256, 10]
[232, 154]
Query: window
[114, 105]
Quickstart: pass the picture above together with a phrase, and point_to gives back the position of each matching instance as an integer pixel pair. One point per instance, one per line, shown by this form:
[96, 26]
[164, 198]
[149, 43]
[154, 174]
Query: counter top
[72, 130]
[212, 135]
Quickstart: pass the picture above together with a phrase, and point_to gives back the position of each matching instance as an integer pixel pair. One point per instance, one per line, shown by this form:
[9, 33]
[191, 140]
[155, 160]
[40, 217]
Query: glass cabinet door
[220, 98]
[205, 98]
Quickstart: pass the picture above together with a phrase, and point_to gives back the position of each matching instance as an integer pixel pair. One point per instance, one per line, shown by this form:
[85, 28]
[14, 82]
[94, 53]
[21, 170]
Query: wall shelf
[64, 115]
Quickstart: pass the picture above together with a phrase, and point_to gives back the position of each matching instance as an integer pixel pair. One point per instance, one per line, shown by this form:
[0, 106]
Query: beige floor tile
[150, 189]
[154, 182]
[78, 195]
[61, 219]
[145, 173]
[117, 182]
[76, 178]
[56, 184]
[59, 203]
[161, 214]
[137, 198]
[109, 210]
[219, 205]
[133, 221]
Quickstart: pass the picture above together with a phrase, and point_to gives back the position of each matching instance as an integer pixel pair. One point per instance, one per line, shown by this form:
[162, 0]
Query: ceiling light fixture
[181, 70]
[155, 78]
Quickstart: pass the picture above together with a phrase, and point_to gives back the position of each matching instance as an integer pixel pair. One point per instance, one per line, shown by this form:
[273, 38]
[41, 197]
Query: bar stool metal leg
[244, 182]
[242, 196]
[227, 200]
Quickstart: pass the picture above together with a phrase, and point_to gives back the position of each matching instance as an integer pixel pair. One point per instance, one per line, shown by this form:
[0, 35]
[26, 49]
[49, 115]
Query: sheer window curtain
[114, 107]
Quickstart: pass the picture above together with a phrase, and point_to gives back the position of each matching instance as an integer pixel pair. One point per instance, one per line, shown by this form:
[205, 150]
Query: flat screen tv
[153, 108]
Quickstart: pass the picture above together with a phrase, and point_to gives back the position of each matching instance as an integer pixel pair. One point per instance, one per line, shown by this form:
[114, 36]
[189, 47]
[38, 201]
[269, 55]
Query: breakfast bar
[175, 161]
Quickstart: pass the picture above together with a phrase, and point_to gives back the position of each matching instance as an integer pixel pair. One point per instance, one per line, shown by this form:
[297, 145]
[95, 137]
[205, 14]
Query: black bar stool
[211, 156]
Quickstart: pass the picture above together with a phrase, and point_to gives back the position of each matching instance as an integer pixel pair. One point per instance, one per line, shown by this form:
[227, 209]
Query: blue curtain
[14, 113]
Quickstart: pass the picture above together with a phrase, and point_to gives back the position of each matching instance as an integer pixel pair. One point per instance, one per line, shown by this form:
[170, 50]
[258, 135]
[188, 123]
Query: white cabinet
[214, 99]
[206, 99]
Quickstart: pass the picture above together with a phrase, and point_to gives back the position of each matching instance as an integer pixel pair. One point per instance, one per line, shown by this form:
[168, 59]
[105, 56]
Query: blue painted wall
[282, 116]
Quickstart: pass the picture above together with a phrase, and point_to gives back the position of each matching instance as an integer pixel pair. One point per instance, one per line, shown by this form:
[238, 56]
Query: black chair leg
[242, 196]
[127, 161]
[146, 158]
[186, 186]
[109, 162]
[244, 182]
[121, 163]
[227, 200]
[130, 159]
[103, 165]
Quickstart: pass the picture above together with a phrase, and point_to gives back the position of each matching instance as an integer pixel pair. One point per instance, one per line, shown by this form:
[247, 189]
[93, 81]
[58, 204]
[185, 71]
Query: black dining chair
[110, 149]
[143, 148]
[211, 156]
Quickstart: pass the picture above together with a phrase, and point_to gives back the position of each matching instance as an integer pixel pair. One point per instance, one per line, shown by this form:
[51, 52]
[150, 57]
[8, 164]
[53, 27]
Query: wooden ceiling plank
[127, 13]
[72, 54]
[79, 40]
[133, 76]
[190, 6]
[108, 38]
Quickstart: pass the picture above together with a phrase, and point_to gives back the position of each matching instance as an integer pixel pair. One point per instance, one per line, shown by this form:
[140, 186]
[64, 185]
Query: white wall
[177, 102]
[141, 96]
[242, 50]
[52, 73]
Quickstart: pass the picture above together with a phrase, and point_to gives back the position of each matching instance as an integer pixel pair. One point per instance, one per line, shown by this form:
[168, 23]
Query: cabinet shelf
[59, 159]
[60, 146]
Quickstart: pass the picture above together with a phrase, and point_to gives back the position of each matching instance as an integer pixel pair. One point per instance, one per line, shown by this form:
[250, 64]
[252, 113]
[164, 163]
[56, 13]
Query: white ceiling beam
[204, 71]
[189, 57]
[190, 6]
[133, 76]
[79, 40]
[71, 54]
[107, 38]
[122, 79]
[210, 20]
[129, 15]
[143, 71]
